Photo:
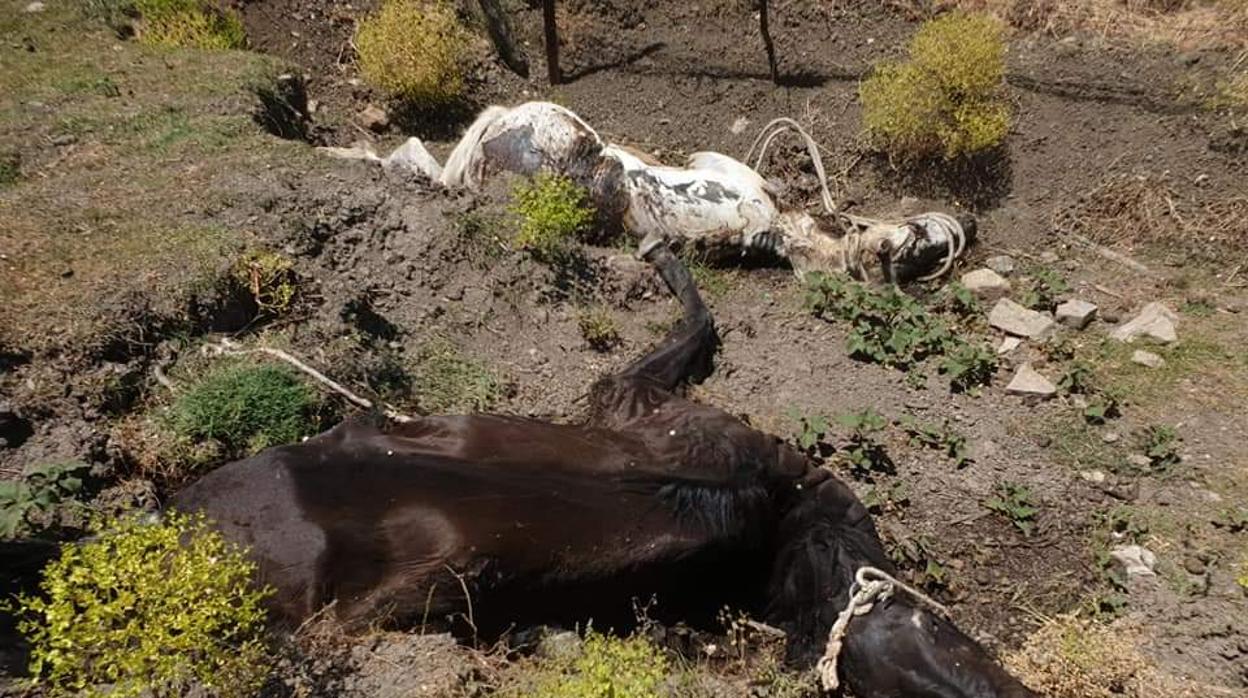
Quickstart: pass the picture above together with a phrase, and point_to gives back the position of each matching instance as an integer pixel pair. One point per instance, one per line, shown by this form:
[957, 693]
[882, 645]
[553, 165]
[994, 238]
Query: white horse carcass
[714, 202]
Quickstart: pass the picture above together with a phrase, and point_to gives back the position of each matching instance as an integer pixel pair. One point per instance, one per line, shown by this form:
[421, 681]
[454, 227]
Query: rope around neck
[871, 585]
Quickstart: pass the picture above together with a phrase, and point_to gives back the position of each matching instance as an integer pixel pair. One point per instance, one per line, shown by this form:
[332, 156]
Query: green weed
[444, 380]
[10, 168]
[882, 499]
[598, 328]
[607, 667]
[918, 553]
[1161, 444]
[270, 279]
[415, 51]
[1014, 502]
[941, 438]
[551, 211]
[861, 451]
[147, 609]
[1045, 289]
[189, 24]
[24, 502]
[810, 428]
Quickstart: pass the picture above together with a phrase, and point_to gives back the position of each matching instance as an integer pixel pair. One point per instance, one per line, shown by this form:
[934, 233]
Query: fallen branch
[1111, 255]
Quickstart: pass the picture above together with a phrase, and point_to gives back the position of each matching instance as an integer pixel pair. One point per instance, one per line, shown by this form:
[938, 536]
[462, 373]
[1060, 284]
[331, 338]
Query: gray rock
[1076, 313]
[739, 125]
[1012, 318]
[1008, 345]
[1139, 460]
[1111, 437]
[986, 284]
[560, 645]
[34, 7]
[1003, 264]
[1027, 381]
[1134, 561]
[1147, 358]
[1155, 320]
[1050, 257]
[1093, 476]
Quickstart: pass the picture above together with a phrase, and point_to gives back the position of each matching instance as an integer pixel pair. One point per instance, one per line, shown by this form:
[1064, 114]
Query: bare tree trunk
[552, 41]
[500, 33]
[767, 43]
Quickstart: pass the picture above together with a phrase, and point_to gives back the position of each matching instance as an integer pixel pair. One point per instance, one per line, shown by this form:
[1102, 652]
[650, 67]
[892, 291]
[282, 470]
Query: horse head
[894, 646]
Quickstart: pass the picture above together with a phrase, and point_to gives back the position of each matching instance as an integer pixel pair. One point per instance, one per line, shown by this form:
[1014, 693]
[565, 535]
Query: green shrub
[414, 50]
[247, 407]
[447, 381]
[189, 24]
[947, 98]
[551, 210]
[270, 278]
[1014, 502]
[598, 328]
[147, 609]
[609, 667]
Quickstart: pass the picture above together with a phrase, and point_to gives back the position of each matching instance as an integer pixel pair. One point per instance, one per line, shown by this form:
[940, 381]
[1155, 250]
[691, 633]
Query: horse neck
[467, 153]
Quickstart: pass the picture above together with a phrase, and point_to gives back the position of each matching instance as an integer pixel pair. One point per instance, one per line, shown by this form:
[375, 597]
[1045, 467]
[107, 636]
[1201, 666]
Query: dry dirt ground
[143, 175]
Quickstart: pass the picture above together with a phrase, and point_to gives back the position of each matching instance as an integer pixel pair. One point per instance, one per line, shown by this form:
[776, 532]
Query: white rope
[871, 585]
[784, 124]
[230, 348]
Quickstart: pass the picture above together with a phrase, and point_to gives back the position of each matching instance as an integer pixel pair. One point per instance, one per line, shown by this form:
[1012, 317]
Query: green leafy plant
[1161, 445]
[863, 453]
[270, 279]
[810, 428]
[942, 438]
[10, 168]
[246, 407]
[147, 609]
[1014, 502]
[1077, 378]
[948, 98]
[551, 210]
[1045, 289]
[23, 502]
[190, 24]
[1233, 519]
[414, 50]
[445, 380]
[889, 327]
[960, 300]
[1102, 406]
[598, 328]
[918, 553]
[607, 667]
[882, 499]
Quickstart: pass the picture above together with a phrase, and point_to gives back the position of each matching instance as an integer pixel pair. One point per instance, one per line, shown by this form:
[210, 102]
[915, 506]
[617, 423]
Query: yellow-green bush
[551, 210]
[414, 50]
[270, 278]
[609, 667]
[190, 24]
[147, 608]
[947, 98]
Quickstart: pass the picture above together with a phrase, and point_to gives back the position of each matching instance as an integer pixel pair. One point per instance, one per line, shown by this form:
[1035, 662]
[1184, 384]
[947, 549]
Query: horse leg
[687, 350]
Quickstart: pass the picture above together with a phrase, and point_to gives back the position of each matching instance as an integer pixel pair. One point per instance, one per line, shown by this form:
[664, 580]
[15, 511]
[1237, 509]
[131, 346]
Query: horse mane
[728, 510]
[457, 172]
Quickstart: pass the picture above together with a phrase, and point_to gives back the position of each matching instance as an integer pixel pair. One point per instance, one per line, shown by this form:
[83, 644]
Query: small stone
[1154, 320]
[1134, 561]
[1012, 318]
[986, 284]
[739, 126]
[1095, 476]
[1050, 257]
[1028, 382]
[374, 118]
[1111, 437]
[1139, 460]
[1147, 358]
[1194, 565]
[1008, 345]
[34, 7]
[1076, 313]
[1003, 264]
[64, 139]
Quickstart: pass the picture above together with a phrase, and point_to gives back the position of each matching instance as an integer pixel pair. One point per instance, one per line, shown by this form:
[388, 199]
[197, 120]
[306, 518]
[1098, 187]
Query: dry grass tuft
[1129, 211]
[1186, 24]
[1071, 657]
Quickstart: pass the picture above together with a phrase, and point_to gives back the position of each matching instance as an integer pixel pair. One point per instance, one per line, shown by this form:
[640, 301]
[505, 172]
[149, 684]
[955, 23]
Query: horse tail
[22, 563]
[459, 166]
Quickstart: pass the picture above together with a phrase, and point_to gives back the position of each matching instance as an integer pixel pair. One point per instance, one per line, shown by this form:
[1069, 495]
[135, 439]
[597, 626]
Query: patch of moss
[605, 667]
[947, 98]
[445, 380]
[414, 50]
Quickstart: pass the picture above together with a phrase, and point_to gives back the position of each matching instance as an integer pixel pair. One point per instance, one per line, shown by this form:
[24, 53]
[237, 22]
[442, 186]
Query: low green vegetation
[415, 51]
[918, 553]
[1044, 289]
[598, 328]
[26, 503]
[147, 609]
[189, 24]
[606, 667]
[811, 428]
[550, 210]
[861, 450]
[1160, 444]
[947, 98]
[246, 407]
[10, 168]
[445, 380]
[481, 236]
[270, 279]
[889, 327]
[942, 438]
[1014, 502]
